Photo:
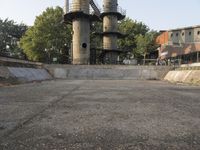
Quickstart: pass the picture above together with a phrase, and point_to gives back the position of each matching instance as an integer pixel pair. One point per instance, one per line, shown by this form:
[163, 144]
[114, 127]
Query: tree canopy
[145, 44]
[10, 34]
[48, 38]
[137, 37]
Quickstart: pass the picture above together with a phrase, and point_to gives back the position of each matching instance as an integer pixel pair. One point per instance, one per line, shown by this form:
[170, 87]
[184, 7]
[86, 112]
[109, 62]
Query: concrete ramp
[184, 76]
[29, 74]
[107, 72]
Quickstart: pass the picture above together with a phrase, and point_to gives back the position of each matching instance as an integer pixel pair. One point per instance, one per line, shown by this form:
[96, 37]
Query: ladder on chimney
[95, 8]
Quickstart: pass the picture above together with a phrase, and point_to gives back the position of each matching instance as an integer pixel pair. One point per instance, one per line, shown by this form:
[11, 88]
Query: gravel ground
[100, 115]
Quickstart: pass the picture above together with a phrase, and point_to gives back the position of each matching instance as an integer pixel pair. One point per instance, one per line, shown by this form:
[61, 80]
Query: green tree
[145, 44]
[48, 38]
[131, 29]
[95, 37]
[96, 42]
[10, 34]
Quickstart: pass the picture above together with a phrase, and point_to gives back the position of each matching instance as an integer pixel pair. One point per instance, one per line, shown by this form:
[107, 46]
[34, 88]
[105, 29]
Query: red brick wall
[162, 38]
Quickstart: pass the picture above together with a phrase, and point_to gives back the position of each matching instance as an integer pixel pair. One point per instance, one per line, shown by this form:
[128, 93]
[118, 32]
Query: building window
[190, 33]
[176, 34]
[172, 35]
[183, 33]
[198, 33]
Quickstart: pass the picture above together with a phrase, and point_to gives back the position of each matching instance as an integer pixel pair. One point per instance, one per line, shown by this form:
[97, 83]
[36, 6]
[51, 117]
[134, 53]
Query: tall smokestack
[111, 14]
[79, 16]
[66, 9]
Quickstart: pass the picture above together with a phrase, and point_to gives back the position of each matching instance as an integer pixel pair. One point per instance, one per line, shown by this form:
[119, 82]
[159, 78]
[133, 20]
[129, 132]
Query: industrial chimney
[66, 8]
[78, 14]
[110, 15]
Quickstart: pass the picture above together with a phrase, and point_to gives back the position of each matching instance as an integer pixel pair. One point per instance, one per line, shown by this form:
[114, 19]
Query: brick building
[181, 44]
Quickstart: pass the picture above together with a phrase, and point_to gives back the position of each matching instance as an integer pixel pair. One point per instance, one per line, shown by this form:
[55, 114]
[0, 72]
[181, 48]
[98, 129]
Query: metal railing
[121, 10]
[73, 7]
[117, 9]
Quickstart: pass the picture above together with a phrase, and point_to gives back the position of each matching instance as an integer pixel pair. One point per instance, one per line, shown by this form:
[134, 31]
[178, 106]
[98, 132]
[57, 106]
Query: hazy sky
[157, 14]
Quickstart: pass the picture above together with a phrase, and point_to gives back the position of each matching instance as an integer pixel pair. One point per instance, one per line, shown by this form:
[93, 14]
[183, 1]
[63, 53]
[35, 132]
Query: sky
[157, 14]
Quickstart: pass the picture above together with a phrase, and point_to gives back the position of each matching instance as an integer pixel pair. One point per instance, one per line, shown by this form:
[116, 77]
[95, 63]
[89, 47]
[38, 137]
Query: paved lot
[99, 115]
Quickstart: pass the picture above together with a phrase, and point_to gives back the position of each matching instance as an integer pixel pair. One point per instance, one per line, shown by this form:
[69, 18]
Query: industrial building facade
[181, 44]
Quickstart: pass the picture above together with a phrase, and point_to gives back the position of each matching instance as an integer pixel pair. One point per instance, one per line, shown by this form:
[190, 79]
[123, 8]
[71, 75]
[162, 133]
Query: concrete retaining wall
[85, 72]
[184, 76]
[24, 74]
[4, 72]
[29, 74]
[107, 72]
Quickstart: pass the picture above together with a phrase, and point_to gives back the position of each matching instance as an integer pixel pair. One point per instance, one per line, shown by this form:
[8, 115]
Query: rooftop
[185, 28]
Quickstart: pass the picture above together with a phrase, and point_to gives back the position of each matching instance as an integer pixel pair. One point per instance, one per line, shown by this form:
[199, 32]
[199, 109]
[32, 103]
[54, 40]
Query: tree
[131, 29]
[96, 42]
[145, 44]
[96, 39]
[48, 38]
[10, 34]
